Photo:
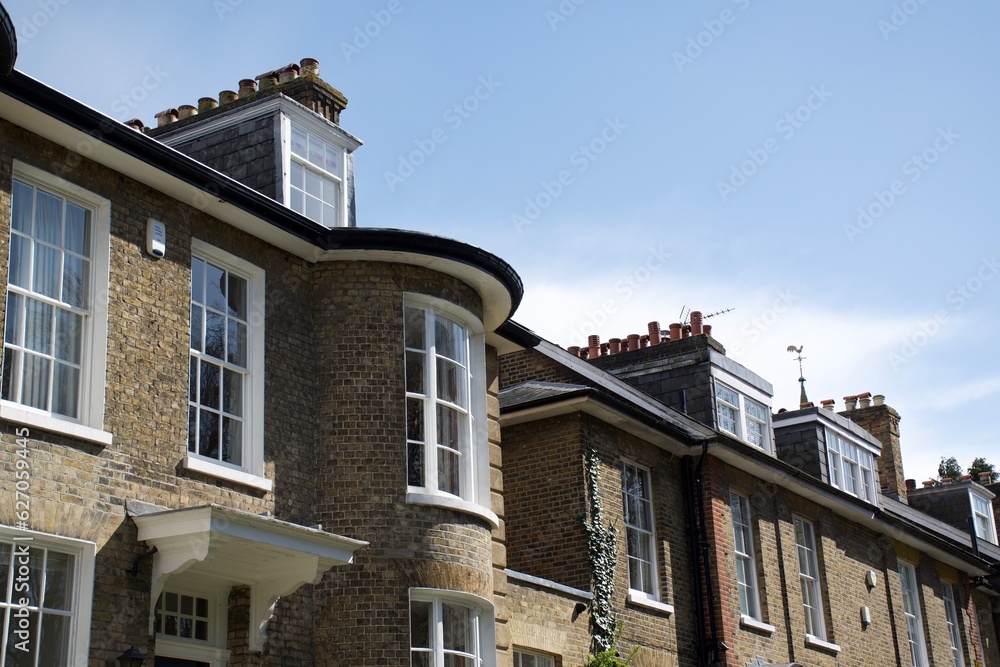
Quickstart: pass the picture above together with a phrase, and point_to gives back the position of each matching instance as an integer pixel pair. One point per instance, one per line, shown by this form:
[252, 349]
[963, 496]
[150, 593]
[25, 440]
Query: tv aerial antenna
[686, 314]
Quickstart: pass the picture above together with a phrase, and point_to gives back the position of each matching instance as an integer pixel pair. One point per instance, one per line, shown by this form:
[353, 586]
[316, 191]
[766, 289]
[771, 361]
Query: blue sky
[823, 168]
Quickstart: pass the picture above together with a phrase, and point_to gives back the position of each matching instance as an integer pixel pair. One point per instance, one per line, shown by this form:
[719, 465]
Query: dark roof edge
[135, 144]
[8, 43]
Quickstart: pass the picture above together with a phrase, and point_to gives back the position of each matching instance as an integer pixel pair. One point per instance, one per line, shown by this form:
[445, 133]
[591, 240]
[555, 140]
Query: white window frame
[482, 613]
[90, 424]
[323, 134]
[84, 553]
[474, 485]
[809, 579]
[954, 630]
[651, 591]
[251, 471]
[746, 562]
[741, 413]
[982, 517]
[213, 651]
[912, 614]
[537, 659]
[862, 468]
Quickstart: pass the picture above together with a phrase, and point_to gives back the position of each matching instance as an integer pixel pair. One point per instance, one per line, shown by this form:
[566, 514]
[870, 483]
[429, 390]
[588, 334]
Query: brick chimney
[883, 422]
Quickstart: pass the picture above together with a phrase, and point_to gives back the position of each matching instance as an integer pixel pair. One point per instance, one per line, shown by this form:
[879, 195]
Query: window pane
[414, 419]
[298, 142]
[59, 581]
[77, 230]
[197, 317]
[16, 657]
[457, 627]
[65, 390]
[15, 318]
[232, 441]
[451, 380]
[47, 270]
[11, 370]
[48, 218]
[19, 272]
[314, 184]
[201, 630]
[237, 297]
[448, 471]
[215, 288]
[192, 429]
[451, 427]
[414, 328]
[420, 624]
[54, 641]
[333, 160]
[232, 393]
[415, 372]
[449, 339]
[237, 343]
[208, 436]
[415, 464]
[38, 329]
[23, 204]
[35, 382]
[76, 281]
[210, 385]
[314, 209]
[197, 280]
[5, 554]
[296, 201]
[215, 335]
[69, 335]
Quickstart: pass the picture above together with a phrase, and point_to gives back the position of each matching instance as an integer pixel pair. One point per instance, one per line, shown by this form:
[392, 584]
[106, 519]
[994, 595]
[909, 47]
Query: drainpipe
[693, 532]
[703, 535]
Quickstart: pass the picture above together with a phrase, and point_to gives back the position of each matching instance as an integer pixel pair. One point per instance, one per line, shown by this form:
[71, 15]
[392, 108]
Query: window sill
[454, 503]
[17, 413]
[750, 623]
[213, 469]
[816, 642]
[640, 600]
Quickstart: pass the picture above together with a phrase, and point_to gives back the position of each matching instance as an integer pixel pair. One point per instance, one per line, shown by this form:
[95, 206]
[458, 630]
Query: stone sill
[640, 600]
[750, 623]
[816, 642]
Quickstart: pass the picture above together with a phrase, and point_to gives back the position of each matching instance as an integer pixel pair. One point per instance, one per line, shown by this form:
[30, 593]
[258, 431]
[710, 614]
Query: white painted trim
[85, 553]
[751, 623]
[636, 595]
[21, 414]
[170, 647]
[546, 583]
[217, 469]
[95, 343]
[487, 631]
[815, 642]
[453, 503]
[253, 423]
[744, 391]
[640, 599]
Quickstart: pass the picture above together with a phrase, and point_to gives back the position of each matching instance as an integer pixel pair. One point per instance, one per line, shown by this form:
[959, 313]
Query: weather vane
[802, 380]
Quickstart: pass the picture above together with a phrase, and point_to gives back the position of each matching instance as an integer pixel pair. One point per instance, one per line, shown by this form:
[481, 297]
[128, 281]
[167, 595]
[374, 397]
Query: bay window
[450, 629]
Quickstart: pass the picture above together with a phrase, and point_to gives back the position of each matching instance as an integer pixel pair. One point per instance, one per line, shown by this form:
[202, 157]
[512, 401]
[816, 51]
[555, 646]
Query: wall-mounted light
[130, 658]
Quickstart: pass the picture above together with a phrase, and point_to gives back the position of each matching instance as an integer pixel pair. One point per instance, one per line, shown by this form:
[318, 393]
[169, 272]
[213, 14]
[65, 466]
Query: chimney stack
[883, 423]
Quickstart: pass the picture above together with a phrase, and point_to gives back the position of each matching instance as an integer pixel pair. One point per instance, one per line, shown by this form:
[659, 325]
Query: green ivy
[602, 552]
[609, 657]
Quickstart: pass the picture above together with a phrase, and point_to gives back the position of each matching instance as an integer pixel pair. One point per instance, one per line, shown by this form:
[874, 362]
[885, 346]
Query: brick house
[238, 429]
[745, 538]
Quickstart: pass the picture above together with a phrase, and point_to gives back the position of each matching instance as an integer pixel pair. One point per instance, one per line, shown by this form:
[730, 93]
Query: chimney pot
[267, 81]
[965, 478]
[615, 345]
[654, 333]
[928, 484]
[186, 111]
[985, 478]
[685, 331]
[911, 485]
[633, 342]
[675, 331]
[166, 117]
[227, 97]
[828, 403]
[247, 87]
[136, 124]
[574, 350]
[850, 402]
[808, 404]
[879, 399]
[706, 329]
[604, 349]
[696, 322]
[207, 104]
[643, 341]
[946, 480]
[310, 66]
[593, 346]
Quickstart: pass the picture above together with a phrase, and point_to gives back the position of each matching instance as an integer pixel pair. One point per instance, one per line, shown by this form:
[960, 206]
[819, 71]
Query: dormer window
[852, 468]
[742, 416]
[315, 177]
[982, 517]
